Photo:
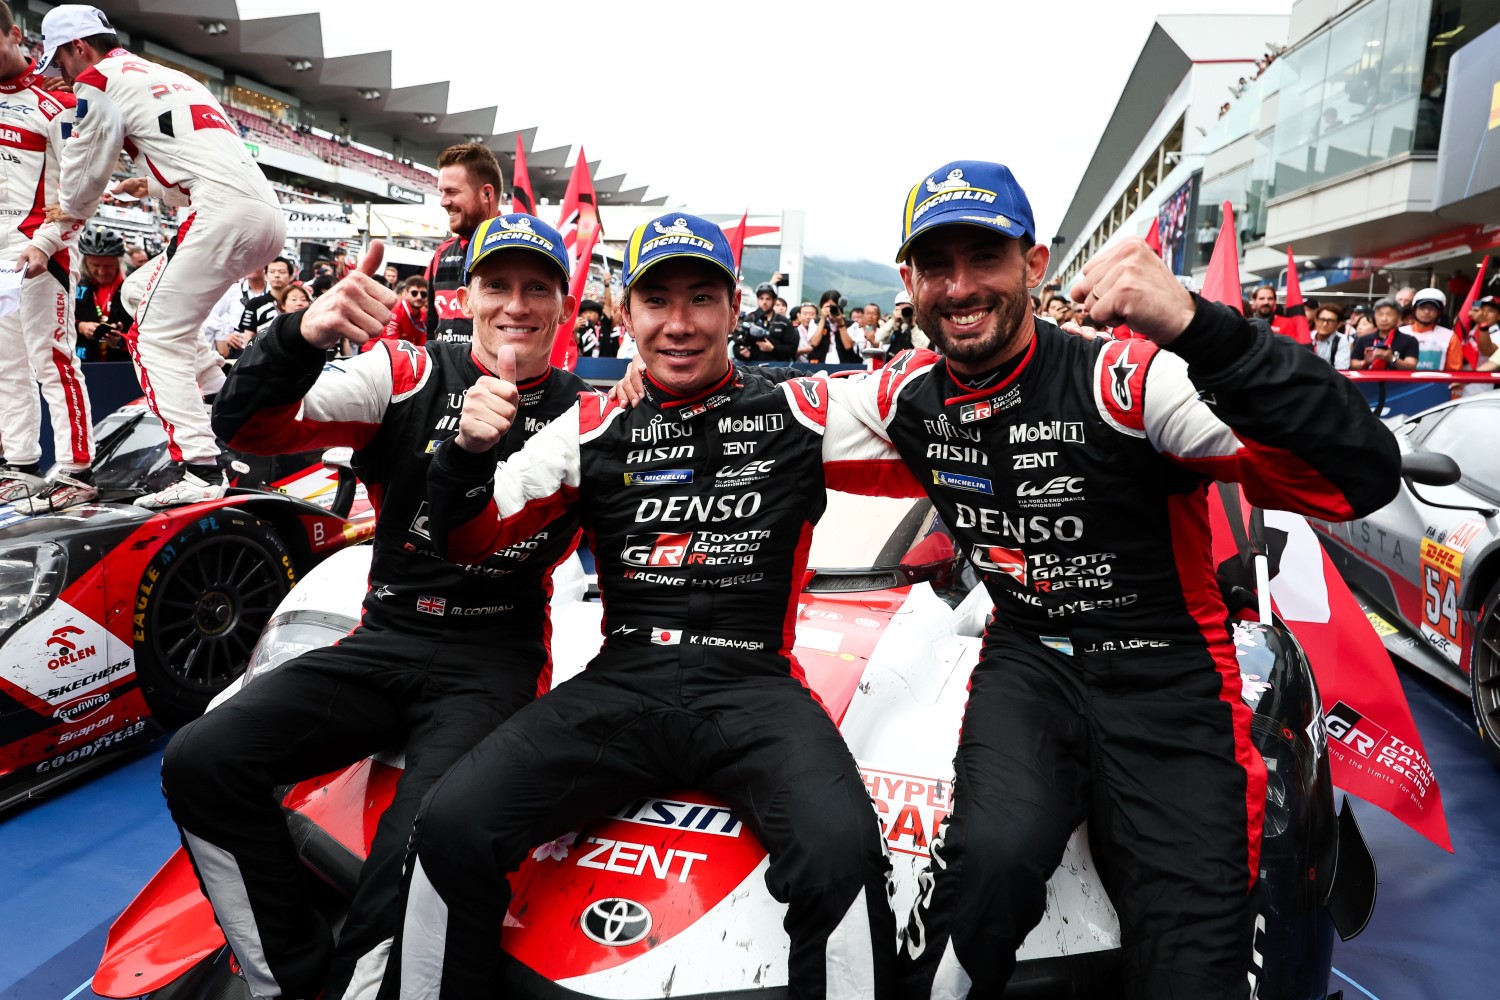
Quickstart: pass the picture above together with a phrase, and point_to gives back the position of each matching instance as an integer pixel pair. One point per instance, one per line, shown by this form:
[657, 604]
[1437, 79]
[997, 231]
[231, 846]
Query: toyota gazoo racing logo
[656, 550]
[997, 559]
[615, 922]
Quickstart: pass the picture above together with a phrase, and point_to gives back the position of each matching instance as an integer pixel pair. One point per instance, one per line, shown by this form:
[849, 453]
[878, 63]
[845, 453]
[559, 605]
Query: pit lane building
[1362, 146]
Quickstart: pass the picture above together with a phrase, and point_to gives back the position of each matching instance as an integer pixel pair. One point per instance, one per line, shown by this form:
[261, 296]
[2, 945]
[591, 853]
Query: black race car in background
[118, 623]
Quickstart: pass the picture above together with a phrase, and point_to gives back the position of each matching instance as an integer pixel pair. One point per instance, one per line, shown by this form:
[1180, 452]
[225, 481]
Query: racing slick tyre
[202, 602]
[1484, 674]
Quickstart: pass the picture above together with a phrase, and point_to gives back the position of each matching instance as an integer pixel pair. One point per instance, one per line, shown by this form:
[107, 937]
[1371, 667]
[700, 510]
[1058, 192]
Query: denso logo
[765, 423]
[656, 550]
[1047, 430]
[1060, 486]
[1023, 529]
[705, 510]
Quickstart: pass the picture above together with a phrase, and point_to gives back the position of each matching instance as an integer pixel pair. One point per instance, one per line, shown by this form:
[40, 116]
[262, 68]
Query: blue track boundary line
[1351, 982]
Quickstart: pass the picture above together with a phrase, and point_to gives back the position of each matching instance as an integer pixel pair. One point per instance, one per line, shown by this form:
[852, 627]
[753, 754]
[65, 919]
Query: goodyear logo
[659, 477]
[972, 484]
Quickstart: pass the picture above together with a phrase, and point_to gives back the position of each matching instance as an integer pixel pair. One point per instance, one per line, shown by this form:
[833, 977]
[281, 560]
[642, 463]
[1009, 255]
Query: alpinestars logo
[1122, 370]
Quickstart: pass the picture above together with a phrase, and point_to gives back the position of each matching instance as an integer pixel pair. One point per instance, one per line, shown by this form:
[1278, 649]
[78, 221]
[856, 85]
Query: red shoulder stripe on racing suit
[344, 406]
[1122, 383]
[858, 456]
[1170, 415]
[897, 373]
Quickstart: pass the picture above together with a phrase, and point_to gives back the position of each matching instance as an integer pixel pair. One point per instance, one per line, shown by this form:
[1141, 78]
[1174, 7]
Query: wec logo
[1059, 486]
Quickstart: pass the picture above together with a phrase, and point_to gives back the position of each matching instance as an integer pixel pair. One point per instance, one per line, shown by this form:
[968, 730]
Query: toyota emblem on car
[615, 922]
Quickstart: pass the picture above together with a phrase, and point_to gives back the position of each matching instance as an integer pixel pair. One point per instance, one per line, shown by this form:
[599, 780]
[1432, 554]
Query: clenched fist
[490, 406]
[1129, 283]
[356, 308]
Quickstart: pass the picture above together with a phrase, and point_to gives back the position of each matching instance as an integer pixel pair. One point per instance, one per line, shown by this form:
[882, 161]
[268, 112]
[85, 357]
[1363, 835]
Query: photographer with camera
[899, 332]
[100, 316]
[835, 342]
[763, 333]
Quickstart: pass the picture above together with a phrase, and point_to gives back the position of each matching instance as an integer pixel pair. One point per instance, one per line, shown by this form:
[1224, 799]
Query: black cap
[1361, 307]
[765, 288]
[589, 304]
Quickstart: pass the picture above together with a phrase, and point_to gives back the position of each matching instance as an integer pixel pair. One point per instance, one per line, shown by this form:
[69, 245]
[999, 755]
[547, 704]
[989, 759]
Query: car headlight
[31, 575]
[291, 634]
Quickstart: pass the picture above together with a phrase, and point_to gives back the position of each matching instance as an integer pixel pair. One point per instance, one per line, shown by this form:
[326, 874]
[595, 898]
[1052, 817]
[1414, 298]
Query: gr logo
[1352, 729]
[658, 549]
[615, 922]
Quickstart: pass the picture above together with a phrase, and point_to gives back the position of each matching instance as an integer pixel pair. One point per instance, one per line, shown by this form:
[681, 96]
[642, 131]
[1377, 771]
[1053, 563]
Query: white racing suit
[37, 342]
[194, 157]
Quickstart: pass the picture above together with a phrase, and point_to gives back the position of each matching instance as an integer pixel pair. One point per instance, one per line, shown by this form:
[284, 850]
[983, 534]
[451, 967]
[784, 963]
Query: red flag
[1374, 749]
[1222, 282]
[581, 231]
[736, 236]
[522, 199]
[1295, 325]
[1463, 325]
[1153, 240]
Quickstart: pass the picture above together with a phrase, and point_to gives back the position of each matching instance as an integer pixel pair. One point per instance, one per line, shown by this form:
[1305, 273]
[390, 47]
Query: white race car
[666, 896]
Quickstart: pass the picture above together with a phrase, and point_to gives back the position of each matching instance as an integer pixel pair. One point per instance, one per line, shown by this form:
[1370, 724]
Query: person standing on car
[696, 684]
[1073, 473]
[175, 127]
[98, 313]
[780, 340]
[442, 653]
[38, 341]
[469, 189]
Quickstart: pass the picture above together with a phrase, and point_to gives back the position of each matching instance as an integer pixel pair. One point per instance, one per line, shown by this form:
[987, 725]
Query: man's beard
[1006, 319]
[1265, 312]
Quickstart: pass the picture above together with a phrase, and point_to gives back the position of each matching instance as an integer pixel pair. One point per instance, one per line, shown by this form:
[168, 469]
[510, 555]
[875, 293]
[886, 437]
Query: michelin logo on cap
[952, 188]
[677, 232]
[516, 230]
[674, 235]
[520, 229]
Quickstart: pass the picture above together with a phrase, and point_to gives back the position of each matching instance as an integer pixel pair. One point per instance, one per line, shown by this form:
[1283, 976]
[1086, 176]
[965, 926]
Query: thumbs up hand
[356, 308]
[490, 406]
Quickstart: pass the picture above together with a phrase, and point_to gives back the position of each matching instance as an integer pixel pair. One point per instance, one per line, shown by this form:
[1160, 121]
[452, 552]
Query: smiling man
[442, 653]
[1073, 472]
[700, 561]
[469, 188]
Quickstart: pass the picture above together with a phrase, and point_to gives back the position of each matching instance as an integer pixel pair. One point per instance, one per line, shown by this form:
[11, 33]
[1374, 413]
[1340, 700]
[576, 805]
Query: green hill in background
[860, 281]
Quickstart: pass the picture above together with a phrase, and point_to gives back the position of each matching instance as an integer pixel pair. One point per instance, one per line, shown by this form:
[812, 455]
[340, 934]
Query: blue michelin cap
[676, 235]
[517, 230]
[972, 192]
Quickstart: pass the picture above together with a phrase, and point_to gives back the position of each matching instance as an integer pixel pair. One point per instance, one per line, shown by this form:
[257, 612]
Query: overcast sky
[835, 108]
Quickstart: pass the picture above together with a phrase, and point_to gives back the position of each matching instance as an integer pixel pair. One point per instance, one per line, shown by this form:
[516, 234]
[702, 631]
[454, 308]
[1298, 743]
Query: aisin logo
[615, 922]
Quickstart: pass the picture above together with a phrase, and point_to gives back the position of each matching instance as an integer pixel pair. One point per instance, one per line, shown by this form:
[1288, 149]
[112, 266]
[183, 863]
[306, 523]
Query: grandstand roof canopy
[285, 52]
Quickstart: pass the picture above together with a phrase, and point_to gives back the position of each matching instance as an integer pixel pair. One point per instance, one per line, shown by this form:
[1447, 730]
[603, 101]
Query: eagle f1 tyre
[1484, 674]
[201, 604]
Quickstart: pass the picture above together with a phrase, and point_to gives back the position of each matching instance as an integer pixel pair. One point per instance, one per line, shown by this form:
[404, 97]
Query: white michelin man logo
[679, 227]
[523, 224]
[955, 179]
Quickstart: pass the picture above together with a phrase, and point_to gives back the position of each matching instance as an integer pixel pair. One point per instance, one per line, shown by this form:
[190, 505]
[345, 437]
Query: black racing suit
[1107, 689]
[700, 560]
[443, 653]
[446, 322]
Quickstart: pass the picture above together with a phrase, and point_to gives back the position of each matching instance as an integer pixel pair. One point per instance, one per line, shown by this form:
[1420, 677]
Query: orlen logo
[1353, 730]
[1060, 486]
[765, 423]
[82, 708]
[656, 550]
[1047, 430]
[64, 650]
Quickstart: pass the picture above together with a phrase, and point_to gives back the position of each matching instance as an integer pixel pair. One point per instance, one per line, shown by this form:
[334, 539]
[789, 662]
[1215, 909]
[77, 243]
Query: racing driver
[699, 561]
[442, 653]
[37, 342]
[176, 129]
[1074, 473]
